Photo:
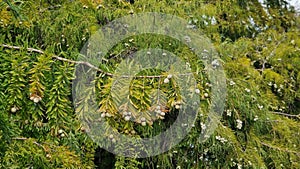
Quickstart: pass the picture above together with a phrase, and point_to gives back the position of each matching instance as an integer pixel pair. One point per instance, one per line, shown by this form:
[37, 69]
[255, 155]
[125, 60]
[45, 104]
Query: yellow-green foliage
[40, 127]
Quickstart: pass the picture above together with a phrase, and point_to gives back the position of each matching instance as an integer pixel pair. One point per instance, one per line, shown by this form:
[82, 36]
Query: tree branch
[280, 149]
[23, 138]
[84, 63]
[58, 58]
[271, 54]
[288, 115]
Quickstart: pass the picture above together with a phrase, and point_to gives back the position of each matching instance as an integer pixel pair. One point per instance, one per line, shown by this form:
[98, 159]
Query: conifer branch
[280, 149]
[271, 54]
[288, 115]
[58, 58]
[23, 138]
[83, 63]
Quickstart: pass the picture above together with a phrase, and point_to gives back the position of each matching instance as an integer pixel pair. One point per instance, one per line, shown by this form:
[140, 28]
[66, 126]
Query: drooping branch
[84, 63]
[280, 149]
[288, 115]
[271, 54]
[23, 138]
[58, 58]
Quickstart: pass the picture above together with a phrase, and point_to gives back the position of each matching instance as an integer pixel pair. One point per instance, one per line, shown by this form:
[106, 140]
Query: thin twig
[58, 58]
[49, 8]
[23, 138]
[84, 63]
[280, 149]
[289, 115]
[271, 54]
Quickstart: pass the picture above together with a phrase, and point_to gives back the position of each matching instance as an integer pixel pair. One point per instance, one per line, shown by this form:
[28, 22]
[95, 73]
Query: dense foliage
[259, 48]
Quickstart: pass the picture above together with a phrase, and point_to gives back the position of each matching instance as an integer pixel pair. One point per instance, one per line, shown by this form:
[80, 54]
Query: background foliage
[259, 47]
